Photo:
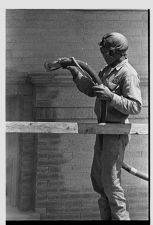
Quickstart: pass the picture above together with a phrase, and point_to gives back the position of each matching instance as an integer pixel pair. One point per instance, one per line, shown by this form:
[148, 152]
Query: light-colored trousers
[106, 176]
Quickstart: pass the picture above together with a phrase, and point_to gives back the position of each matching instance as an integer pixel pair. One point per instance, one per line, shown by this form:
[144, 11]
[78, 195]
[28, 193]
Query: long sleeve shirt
[124, 82]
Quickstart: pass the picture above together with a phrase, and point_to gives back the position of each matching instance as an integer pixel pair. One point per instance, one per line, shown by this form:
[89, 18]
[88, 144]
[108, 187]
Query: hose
[90, 72]
[134, 171]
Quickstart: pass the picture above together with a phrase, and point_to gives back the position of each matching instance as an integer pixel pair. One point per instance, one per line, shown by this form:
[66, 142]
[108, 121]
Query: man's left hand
[103, 92]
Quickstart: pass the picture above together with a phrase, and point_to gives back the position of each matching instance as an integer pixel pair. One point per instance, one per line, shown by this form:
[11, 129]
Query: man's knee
[111, 185]
[95, 183]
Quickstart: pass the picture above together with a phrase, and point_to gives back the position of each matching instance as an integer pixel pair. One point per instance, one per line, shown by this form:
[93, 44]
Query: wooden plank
[81, 128]
[112, 128]
[41, 127]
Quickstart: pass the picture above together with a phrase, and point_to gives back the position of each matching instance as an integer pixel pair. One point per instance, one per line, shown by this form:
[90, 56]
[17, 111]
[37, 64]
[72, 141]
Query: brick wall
[63, 186]
[34, 35]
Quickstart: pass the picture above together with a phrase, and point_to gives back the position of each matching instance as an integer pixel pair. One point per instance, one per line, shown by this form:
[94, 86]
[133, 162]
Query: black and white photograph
[77, 114]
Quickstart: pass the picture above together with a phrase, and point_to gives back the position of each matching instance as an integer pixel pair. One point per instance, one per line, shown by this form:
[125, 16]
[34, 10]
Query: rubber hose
[92, 74]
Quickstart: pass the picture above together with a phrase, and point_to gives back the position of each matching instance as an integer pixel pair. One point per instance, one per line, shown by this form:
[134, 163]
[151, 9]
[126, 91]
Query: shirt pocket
[112, 86]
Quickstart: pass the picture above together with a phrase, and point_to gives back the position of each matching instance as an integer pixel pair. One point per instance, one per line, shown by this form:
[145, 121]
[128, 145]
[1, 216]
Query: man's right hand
[74, 71]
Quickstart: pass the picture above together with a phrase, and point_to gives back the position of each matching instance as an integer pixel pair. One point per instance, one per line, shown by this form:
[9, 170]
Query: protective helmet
[115, 42]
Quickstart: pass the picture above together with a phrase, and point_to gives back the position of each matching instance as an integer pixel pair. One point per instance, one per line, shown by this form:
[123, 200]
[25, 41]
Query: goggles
[101, 44]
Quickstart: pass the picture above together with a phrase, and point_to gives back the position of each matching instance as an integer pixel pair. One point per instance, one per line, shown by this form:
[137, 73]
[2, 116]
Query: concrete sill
[13, 213]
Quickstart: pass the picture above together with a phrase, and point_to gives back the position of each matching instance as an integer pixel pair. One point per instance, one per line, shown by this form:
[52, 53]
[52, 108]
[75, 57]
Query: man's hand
[103, 92]
[73, 71]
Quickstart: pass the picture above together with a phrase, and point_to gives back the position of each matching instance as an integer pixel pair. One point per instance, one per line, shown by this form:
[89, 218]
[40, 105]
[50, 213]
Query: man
[121, 94]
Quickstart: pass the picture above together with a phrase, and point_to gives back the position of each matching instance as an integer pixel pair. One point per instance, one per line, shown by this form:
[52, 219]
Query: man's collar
[118, 66]
[121, 64]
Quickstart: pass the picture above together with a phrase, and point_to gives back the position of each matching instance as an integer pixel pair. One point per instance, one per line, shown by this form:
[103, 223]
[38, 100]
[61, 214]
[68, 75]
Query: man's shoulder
[128, 73]
[129, 70]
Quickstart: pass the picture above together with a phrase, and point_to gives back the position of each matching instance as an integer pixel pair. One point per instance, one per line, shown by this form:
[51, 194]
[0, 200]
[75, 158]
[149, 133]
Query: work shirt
[124, 82]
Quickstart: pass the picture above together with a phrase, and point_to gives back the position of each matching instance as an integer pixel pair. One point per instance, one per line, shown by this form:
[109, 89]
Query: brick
[64, 216]
[54, 169]
[40, 203]
[106, 16]
[139, 216]
[49, 217]
[67, 203]
[77, 196]
[11, 90]
[55, 160]
[27, 149]
[54, 189]
[53, 196]
[49, 137]
[25, 204]
[64, 211]
[131, 16]
[145, 16]
[25, 90]
[41, 184]
[131, 180]
[23, 68]
[27, 137]
[59, 186]
[55, 183]
[26, 172]
[24, 185]
[56, 155]
[90, 206]
[27, 179]
[53, 176]
[52, 162]
[83, 155]
[40, 197]
[45, 147]
[26, 164]
[91, 216]
[66, 168]
[42, 170]
[77, 183]
[42, 157]
[54, 204]
[27, 157]
[26, 192]
[42, 211]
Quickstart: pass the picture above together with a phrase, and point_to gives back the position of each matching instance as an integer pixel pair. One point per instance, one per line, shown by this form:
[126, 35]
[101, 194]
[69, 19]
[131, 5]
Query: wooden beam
[75, 128]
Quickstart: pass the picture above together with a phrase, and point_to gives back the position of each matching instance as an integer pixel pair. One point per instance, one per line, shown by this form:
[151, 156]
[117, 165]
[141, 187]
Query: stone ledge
[12, 213]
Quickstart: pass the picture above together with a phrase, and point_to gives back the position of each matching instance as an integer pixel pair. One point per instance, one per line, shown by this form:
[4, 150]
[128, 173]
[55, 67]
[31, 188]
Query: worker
[121, 93]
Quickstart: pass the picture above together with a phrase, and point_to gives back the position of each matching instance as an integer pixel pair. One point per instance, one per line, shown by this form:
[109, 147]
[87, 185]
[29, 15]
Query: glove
[73, 71]
[47, 66]
[103, 92]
